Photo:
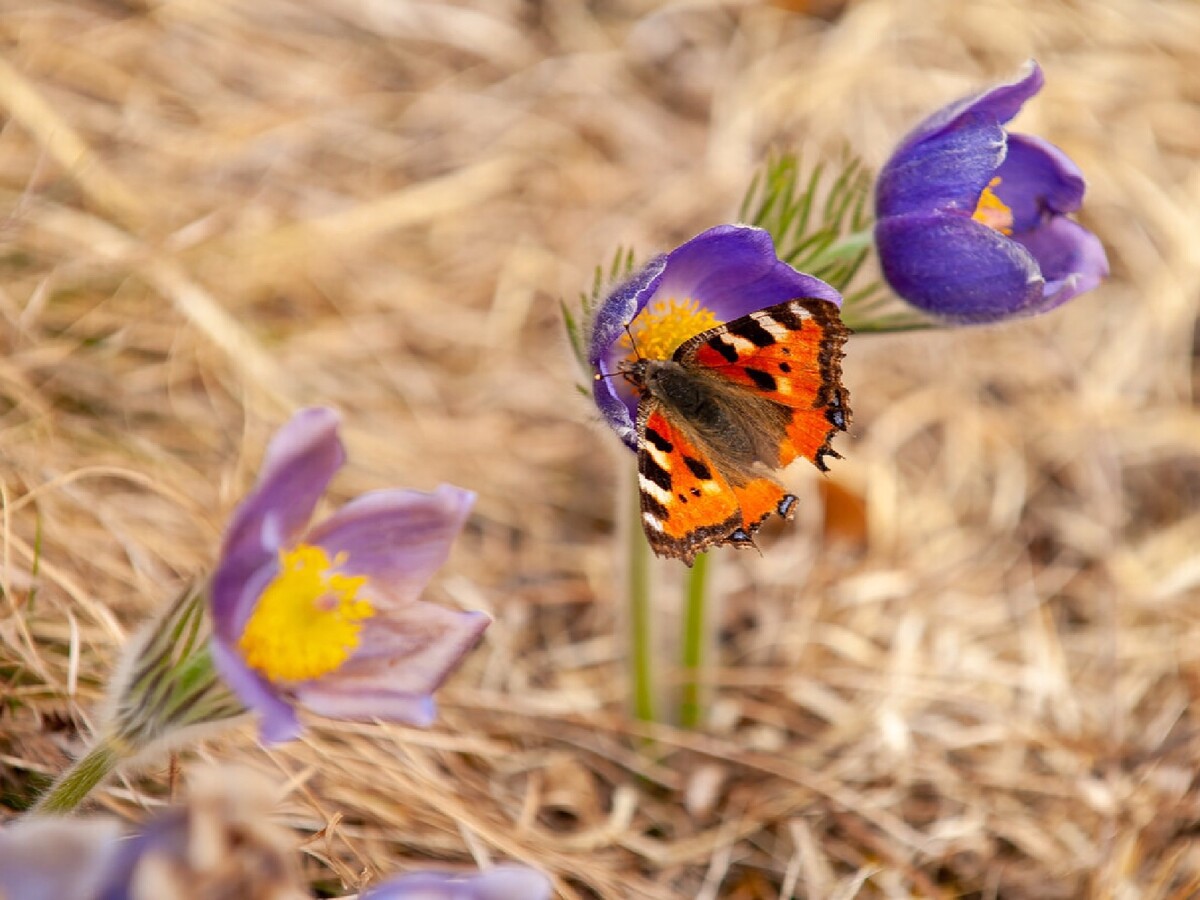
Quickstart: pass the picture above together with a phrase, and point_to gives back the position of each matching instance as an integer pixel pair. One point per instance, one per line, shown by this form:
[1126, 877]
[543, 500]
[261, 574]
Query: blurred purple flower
[972, 221]
[327, 617]
[499, 883]
[721, 274]
[221, 844]
[57, 859]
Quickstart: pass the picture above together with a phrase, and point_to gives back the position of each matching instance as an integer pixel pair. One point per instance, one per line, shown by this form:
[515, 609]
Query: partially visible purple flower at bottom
[57, 859]
[499, 883]
[972, 221]
[328, 617]
[220, 844]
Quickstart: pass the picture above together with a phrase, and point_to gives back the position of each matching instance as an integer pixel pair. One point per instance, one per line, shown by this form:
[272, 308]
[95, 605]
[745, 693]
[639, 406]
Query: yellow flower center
[664, 325]
[991, 210]
[307, 621]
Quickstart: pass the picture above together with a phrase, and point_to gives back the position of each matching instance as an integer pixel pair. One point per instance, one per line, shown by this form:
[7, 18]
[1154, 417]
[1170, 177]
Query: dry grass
[973, 676]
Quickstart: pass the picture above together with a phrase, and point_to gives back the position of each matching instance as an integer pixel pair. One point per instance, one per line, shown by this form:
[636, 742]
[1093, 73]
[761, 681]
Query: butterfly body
[732, 405]
[734, 428]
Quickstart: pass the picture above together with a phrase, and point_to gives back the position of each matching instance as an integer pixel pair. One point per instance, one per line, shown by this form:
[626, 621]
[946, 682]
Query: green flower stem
[640, 632]
[695, 633]
[79, 780]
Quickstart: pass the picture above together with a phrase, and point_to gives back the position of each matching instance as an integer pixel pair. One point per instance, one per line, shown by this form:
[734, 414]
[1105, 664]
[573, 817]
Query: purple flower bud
[972, 222]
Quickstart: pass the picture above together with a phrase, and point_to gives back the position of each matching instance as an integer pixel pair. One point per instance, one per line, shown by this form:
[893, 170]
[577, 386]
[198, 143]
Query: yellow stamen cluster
[991, 210]
[307, 621]
[665, 324]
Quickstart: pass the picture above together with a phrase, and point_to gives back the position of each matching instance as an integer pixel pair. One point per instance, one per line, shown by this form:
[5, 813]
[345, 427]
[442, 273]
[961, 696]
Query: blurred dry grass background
[969, 669]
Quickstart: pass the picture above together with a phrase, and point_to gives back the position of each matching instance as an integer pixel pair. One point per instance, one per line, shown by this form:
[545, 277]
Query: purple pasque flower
[972, 221]
[719, 275]
[327, 616]
[499, 883]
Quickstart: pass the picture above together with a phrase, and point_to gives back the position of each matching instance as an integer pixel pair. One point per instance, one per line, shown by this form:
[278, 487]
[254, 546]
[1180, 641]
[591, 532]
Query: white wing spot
[740, 344]
[773, 327]
[658, 456]
[649, 487]
[652, 522]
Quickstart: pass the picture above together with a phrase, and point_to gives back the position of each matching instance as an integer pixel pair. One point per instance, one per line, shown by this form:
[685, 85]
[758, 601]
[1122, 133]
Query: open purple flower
[972, 221]
[327, 616]
[499, 883]
[721, 274]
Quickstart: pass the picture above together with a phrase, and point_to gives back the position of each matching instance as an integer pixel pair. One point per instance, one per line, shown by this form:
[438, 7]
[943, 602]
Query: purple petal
[958, 269]
[946, 161]
[945, 172]
[619, 410]
[55, 858]
[733, 271]
[499, 883]
[619, 308]
[1071, 258]
[996, 104]
[414, 648]
[398, 538]
[405, 656]
[164, 836]
[511, 883]
[299, 463]
[352, 703]
[278, 721]
[616, 311]
[1037, 178]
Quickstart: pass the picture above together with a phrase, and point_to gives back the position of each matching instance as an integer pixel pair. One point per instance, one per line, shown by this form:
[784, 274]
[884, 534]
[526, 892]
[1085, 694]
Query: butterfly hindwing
[757, 500]
[686, 502]
[790, 353]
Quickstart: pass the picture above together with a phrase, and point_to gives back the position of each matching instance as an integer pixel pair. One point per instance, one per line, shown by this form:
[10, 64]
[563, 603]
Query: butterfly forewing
[791, 354]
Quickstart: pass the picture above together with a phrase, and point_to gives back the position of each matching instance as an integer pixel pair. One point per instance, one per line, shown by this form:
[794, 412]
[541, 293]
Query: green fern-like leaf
[603, 281]
[820, 218]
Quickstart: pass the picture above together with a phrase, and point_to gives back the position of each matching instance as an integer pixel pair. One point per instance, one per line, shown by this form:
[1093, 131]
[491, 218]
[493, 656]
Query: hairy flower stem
[79, 780]
[167, 684]
[640, 634]
[695, 635]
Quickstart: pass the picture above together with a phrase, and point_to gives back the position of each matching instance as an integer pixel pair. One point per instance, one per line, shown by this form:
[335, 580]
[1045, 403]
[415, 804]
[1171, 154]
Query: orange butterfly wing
[789, 354]
[792, 354]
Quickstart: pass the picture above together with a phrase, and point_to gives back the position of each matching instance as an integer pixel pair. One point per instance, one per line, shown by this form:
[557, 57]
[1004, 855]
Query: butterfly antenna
[633, 343]
[621, 370]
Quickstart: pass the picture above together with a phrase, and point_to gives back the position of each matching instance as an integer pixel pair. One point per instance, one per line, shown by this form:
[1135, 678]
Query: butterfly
[733, 404]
